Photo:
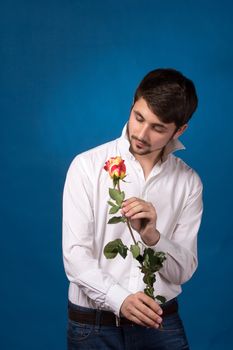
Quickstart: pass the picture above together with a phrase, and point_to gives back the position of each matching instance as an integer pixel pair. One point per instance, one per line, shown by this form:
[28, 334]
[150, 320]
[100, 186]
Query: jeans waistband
[86, 315]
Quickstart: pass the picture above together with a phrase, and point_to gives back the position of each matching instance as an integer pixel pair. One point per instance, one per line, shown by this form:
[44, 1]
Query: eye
[139, 118]
[158, 129]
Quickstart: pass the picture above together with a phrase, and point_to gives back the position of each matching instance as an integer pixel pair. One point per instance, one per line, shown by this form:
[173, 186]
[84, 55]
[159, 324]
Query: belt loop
[97, 321]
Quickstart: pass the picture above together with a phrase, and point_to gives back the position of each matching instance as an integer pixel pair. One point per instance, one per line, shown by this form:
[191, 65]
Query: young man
[107, 308]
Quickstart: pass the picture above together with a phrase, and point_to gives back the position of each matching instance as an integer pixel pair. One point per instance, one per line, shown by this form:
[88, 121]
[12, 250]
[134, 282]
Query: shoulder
[184, 172]
[97, 156]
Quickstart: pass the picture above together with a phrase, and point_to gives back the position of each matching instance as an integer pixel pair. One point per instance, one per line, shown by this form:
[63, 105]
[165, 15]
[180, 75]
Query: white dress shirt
[172, 187]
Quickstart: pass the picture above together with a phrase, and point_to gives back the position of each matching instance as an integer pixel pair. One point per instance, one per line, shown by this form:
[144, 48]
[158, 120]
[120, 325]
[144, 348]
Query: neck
[148, 161]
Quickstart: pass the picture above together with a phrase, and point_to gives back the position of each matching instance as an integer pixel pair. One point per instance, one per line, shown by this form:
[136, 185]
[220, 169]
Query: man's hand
[142, 216]
[141, 309]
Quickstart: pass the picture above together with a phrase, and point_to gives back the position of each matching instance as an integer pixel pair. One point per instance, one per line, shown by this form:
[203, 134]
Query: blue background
[68, 73]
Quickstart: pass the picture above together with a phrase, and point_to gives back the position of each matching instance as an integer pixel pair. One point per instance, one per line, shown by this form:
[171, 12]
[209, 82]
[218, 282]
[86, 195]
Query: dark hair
[169, 94]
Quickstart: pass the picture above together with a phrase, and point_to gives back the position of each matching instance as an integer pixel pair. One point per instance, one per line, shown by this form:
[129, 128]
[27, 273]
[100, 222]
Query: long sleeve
[79, 253]
[181, 249]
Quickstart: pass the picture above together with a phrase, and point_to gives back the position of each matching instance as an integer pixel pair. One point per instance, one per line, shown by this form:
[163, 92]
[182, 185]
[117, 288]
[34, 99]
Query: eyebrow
[153, 124]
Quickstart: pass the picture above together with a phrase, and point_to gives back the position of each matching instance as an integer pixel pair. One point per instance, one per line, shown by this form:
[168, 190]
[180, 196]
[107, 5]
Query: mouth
[140, 144]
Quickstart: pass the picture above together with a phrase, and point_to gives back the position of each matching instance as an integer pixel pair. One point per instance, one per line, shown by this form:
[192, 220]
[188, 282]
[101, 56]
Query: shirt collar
[172, 146]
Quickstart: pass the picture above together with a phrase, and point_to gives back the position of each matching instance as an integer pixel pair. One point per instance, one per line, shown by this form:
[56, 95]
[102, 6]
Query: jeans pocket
[173, 333]
[172, 323]
[78, 332]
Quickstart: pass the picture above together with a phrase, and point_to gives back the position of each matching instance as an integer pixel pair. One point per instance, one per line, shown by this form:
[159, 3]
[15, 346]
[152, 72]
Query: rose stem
[130, 230]
[127, 220]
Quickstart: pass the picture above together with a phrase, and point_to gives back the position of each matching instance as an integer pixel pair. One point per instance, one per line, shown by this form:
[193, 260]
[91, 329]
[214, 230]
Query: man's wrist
[153, 238]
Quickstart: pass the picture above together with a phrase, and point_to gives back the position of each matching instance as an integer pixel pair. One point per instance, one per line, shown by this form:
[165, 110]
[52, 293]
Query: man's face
[147, 134]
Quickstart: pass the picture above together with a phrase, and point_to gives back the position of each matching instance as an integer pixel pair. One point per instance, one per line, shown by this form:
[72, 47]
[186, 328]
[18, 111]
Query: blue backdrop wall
[68, 74]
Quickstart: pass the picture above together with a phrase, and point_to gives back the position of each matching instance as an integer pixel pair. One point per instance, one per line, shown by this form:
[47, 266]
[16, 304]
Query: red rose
[116, 168]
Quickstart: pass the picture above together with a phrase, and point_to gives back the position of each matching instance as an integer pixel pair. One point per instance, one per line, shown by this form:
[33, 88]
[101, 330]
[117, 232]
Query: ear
[180, 131]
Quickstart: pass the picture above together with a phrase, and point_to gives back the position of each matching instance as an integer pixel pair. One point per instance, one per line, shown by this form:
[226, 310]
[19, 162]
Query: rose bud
[116, 168]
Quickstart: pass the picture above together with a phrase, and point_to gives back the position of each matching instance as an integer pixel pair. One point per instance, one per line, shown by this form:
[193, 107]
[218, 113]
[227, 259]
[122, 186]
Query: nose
[143, 133]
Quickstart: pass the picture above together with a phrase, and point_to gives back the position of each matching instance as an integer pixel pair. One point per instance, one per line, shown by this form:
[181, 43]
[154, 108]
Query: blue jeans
[87, 337]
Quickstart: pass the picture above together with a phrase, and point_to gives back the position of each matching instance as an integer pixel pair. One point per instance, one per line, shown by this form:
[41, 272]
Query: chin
[140, 152]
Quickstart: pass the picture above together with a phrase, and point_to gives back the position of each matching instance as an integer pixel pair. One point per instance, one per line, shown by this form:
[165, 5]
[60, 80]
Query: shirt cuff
[162, 244]
[115, 297]
[166, 246]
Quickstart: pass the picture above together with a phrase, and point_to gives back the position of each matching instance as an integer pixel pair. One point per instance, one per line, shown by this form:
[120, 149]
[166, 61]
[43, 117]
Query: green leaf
[153, 260]
[146, 261]
[110, 250]
[111, 203]
[149, 291]
[135, 250]
[116, 220]
[161, 299]
[149, 279]
[139, 258]
[117, 195]
[114, 193]
[114, 209]
[122, 249]
[114, 247]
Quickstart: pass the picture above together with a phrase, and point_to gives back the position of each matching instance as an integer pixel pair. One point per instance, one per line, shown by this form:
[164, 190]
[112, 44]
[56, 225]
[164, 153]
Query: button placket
[134, 276]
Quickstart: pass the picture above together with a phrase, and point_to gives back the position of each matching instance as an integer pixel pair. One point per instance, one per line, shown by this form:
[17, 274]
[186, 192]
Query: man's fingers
[141, 318]
[148, 316]
[130, 210]
[141, 309]
[141, 215]
[129, 201]
[137, 206]
[142, 315]
[150, 303]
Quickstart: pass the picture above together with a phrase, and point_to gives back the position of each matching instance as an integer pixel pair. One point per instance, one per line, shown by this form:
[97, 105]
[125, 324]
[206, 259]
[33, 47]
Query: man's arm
[82, 267]
[181, 249]
[80, 262]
